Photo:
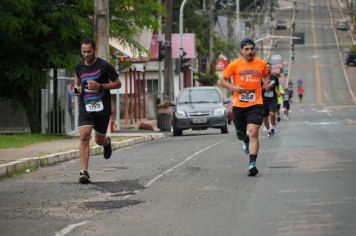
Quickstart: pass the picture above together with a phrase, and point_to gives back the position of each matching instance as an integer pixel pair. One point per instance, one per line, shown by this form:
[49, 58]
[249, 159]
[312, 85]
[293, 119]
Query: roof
[143, 38]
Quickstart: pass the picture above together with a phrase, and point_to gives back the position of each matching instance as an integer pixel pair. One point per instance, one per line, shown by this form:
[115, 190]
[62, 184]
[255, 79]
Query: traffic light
[121, 61]
[161, 49]
[184, 62]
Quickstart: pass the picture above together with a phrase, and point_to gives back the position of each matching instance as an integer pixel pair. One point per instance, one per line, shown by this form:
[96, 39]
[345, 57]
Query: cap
[246, 41]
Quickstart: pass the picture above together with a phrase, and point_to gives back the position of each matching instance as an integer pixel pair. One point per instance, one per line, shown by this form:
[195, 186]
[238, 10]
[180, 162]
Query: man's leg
[254, 120]
[272, 116]
[253, 135]
[101, 126]
[265, 118]
[84, 149]
[85, 133]
[253, 147]
[241, 127]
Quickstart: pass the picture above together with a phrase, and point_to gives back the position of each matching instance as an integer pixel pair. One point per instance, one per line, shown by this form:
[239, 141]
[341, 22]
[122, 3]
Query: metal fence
[59, 108]
[13, 119]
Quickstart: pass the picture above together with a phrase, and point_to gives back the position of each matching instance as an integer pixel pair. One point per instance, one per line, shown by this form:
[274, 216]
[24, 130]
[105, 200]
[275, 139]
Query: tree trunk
[32, 105]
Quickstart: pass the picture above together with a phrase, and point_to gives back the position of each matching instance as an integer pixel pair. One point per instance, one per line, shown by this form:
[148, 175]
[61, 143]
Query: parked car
[199, 108]
[228, 105]
[275, 60]
[350, 58]
[281, 25]
[341, 25]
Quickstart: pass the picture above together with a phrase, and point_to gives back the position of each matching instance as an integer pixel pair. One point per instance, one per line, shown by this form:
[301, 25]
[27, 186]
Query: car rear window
[199, 96]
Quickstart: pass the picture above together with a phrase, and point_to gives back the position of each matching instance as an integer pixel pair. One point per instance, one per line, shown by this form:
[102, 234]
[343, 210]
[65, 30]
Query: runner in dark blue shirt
[93, 81]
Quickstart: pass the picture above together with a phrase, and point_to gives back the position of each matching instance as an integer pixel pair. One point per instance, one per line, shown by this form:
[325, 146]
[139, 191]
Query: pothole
[112, 204]
[118, 186]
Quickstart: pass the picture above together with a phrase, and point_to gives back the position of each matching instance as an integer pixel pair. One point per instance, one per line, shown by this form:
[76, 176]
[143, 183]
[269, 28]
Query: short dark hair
[89, 41]
[246, 41]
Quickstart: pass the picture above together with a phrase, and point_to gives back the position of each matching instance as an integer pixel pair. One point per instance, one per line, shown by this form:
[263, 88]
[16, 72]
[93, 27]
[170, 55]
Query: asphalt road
[196, 184]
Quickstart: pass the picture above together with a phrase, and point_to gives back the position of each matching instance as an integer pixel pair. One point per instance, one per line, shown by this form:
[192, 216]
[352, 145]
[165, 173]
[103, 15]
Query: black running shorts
[286, 105]
[247, 115]
[270, 106]
[99, 121]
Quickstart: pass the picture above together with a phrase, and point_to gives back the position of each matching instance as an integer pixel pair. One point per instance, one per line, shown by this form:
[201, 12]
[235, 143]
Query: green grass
[24, 139]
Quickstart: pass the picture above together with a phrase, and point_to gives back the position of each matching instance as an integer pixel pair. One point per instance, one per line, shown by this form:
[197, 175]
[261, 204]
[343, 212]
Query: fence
[59, 108]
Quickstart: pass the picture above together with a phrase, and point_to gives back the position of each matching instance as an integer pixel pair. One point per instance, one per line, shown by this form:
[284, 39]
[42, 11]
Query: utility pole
[160, 75]
[237, 21]
[168, 51]
[181, 49]
[101, 28]
[101, 35]
[211, 32]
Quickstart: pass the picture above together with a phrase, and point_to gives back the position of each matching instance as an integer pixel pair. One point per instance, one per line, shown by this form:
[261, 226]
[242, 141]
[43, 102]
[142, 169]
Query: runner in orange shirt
[248, 73]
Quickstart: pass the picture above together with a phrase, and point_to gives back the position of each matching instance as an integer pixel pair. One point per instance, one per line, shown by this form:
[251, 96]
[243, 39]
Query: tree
[38, 34]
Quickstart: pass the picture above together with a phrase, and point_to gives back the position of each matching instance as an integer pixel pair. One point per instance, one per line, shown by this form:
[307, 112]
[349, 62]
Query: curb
[32, 163]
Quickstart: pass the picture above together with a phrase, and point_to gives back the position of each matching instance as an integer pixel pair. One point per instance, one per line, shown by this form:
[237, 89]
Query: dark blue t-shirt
[102, 72]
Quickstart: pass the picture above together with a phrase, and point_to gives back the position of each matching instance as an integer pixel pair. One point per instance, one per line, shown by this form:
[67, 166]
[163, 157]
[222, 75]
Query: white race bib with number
[94, 106]
[248, 97]
[268, 94]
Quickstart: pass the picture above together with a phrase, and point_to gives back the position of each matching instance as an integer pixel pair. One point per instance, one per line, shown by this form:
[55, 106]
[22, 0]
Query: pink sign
[188, 45]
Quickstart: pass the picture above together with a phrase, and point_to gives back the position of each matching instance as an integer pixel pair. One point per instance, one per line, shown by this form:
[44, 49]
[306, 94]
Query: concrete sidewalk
[19, 160]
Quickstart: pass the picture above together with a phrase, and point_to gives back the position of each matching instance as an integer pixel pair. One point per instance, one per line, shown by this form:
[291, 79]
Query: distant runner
[270, 103]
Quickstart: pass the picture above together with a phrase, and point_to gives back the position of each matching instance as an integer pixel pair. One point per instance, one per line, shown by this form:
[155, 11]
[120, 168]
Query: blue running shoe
[252, 170]
[245, 148]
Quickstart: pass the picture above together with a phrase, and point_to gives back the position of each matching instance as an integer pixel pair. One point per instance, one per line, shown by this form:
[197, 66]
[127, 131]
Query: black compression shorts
[247, 115]
[99, 121]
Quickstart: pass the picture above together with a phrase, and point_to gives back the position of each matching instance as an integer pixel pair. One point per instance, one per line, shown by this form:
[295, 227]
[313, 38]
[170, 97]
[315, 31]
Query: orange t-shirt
[248, 76]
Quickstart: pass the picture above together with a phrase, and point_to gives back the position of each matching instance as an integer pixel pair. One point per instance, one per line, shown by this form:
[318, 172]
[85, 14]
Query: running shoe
[252, 170]
[84, 177]
[107, 149]
[245, 148]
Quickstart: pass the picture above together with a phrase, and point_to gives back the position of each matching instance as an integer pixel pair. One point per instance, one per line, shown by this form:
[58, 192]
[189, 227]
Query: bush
[353, 49]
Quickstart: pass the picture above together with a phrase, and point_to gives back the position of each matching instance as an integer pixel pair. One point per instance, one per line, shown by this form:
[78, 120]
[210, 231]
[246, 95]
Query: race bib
[248, 97]
[268, 94]
[94, 106]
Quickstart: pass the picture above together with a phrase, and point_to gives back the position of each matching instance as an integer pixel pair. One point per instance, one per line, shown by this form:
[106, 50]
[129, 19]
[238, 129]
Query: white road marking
[179, 164]
[322, 123]
[69, 228]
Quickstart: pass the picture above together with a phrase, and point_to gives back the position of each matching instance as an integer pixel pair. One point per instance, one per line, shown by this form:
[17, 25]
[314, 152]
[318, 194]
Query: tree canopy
[39, 34]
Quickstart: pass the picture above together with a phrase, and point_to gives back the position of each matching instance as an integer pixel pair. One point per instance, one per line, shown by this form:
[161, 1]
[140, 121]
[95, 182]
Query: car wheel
[224, 129]
[177, 132]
